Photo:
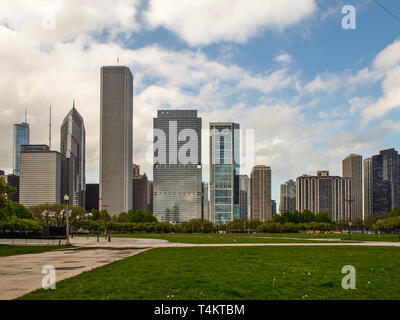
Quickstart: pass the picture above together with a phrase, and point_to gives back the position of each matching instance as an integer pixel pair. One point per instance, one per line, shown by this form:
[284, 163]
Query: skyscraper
[261, 203]
[224, 172]
[116, 134]
[324, 193]
[385, 181]
[352, 168]
[368, 188]
[40, 179]
[244, 196]
[73, 152]
[177, 191]
[287, 196]
[21, 137]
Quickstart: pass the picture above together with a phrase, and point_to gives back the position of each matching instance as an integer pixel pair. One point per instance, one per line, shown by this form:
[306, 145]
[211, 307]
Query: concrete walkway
[158, 243]
[21, 274]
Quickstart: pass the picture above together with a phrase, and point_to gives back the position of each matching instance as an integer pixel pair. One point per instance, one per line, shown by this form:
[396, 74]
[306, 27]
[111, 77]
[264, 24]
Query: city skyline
[327, 91]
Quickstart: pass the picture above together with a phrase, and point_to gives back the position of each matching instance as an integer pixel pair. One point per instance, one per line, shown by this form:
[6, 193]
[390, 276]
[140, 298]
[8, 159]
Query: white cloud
[203, 22]
[388, 57]
[284, 58]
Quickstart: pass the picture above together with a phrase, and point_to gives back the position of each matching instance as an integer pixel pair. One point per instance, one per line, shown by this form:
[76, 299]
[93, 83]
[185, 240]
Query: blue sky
[311, 91]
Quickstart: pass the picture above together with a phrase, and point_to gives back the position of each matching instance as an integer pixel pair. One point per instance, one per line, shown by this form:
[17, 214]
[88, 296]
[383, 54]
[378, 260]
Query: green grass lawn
[9, 250]
[238, 273]
[215, 238]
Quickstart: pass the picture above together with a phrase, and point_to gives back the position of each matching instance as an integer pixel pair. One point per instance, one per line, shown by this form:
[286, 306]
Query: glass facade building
[21, 137]
[73, 148]
[224, 172]
[177, 188]
[385, 181]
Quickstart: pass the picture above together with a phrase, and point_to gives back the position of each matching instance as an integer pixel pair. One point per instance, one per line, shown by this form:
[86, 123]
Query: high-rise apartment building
[324, 193]
[287, 196]
[21, 137]
[385, 181]
[352, 168]
[224, 172]
[368, 188]
[261, 203]
[116, 139]
[244, 196]
[73, 152]
[177, 191]
[40, 176]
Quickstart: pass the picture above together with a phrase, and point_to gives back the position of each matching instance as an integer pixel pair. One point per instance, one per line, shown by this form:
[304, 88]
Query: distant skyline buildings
[287, 200]
[261, 202]
[367, 188]
[385, 181]
[116, 139]
[40, 179]
[352, 167]
[73, 161]
[324, 193]
[21, 136]
[177, 169]
[244, 196]
[224, 172]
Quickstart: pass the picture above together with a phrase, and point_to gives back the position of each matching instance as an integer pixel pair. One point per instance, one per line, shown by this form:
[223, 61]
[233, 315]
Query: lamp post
[66, 199]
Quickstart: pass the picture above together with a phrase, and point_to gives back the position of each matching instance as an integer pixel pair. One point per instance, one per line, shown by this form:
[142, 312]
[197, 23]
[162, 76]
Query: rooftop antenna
[117, 60]
[25, 115]
[50, 129]
[73, 103]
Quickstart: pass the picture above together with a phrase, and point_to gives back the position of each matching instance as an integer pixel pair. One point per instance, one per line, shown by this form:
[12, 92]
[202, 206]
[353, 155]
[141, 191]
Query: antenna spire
[73, 103]
[25, 115]
[117, 60]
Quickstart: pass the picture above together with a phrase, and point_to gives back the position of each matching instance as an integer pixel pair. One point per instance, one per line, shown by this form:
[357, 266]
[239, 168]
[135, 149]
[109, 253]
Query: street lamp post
[66, 199]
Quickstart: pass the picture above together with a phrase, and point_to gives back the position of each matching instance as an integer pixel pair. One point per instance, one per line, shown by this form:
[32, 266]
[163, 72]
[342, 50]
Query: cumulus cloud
[203, 22]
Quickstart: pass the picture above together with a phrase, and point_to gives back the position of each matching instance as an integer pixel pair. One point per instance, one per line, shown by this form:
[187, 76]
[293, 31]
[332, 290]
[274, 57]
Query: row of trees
[14, 216]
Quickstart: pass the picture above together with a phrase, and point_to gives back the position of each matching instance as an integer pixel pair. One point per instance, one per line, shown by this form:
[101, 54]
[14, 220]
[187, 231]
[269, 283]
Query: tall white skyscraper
[116, 139]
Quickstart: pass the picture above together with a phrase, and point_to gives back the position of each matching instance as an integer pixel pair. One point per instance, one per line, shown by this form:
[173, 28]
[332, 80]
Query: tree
[323, 217]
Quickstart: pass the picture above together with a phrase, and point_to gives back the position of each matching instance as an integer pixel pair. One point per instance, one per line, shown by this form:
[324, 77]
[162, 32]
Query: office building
[368, 188]
[352, 168]
[40, 175]
[385, 181]
[116, 139]
[177, 188]
[261, 203]
[92, 197]
[140, 187]
[21, 137]
[244, 196]
[324, 193]
[73, 160]
[287, 196]
[224, 172]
